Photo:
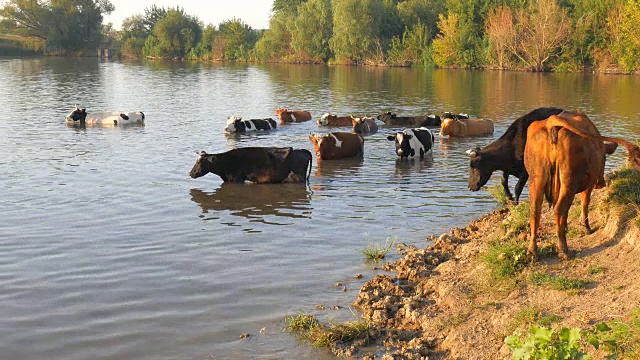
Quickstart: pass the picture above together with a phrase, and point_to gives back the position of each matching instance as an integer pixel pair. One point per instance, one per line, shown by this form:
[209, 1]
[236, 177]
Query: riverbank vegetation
[541, 35]
[473, 292]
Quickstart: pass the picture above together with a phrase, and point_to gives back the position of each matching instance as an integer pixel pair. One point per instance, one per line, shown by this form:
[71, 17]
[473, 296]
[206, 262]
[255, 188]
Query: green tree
[412, 48]
[286, 6]
[173, 35]
[312, 30]
[238, 38]
[63, 25]
[275, 43]
[356, 29]
[445, 45]
[625, 27]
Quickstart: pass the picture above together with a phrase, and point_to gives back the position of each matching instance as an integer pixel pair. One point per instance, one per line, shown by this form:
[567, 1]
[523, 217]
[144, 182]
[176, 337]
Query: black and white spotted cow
[237, 125]
[412, 142]
[81, 117]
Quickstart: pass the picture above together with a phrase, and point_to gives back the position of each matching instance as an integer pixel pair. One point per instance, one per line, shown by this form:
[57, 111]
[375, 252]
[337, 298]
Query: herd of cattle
[560, 152]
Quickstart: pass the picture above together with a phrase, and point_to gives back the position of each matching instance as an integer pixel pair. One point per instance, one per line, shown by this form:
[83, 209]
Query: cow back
[337, 145]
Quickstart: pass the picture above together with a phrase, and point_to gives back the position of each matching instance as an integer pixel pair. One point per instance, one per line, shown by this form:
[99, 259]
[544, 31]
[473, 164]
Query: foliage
[69, 26]
[518, 219]
[173, 35]
[559, 282]
[506, 260]
[308, 328]
[619, 337]
[275, 44]
[533, 315]
[356, 27]
[412, 48]
[311, 31]
[545, 343]
[375, 252]
[623, 193]
[497, 192]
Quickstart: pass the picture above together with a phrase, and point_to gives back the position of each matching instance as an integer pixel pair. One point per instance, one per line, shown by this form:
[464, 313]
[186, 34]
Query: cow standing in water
[466, 127]
[287, 116]
[506, 154]
[413, 142]
[256, 164]
[237, 125]
[364, 125]
[391, 119]
[564, 156]
[337, 145]
[81, 117]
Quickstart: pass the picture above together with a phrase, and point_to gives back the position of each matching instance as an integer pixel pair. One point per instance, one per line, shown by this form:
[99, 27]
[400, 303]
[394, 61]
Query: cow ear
[391, 137]
[203, 153]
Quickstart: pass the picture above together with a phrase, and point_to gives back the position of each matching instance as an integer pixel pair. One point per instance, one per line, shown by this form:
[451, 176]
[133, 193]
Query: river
[109, 250]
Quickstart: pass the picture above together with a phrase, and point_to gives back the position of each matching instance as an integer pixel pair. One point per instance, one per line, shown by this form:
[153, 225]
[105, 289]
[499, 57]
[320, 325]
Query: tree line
[537, 35]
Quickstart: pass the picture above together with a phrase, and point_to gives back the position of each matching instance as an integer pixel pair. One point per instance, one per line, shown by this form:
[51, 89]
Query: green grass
[518, 219]
[497, 192]
[308, 328]
[375, 252]
[624, 192]
[531, 315]
[506, 260]
[595, 270]
[559, 282]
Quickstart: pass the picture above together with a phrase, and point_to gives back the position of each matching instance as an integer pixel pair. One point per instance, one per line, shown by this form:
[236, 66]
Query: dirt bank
[446, 301]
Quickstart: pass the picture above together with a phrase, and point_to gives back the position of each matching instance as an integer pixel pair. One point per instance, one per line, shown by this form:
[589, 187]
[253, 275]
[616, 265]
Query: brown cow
[364, 125]
[466, 127]
[564, 156]
[286, 116]
[334, 120]
[337, 145]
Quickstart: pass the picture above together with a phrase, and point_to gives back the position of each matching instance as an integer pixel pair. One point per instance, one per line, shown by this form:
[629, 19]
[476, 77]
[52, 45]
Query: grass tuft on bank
[624, 193]
[309, 329]
[376, 251]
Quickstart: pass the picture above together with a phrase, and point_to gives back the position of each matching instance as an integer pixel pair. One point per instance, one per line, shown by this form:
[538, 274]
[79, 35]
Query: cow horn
[203, 153]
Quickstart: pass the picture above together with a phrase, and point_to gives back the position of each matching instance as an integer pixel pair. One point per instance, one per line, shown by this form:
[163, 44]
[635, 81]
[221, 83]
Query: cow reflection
[257, 201]
[336, 168]
[406, 168]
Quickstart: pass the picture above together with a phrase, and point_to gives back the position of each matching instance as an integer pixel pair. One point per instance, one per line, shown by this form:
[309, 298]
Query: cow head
[324, 119]
[77, 115]
[231, 124]
[284, 114]
[204, 165]
[450, 126]
[403, 147]
[316, 140]
[361, 124]
[479, 171]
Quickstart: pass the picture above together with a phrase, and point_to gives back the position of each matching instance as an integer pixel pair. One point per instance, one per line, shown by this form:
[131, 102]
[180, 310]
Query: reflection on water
[330, 169]
[133, 260]
[264, 203]
[407, 167]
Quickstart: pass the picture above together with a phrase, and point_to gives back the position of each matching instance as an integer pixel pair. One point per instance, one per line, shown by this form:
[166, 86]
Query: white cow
[81, 117]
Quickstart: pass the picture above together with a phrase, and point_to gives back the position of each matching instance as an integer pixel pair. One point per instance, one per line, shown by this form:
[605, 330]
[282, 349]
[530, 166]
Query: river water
[109, 250]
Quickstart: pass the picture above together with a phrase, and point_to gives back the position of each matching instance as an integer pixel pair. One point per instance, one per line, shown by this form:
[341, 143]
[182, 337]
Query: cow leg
[520, 185]
[535, 210]
[505, 185]
[586, 199]
[561, 213]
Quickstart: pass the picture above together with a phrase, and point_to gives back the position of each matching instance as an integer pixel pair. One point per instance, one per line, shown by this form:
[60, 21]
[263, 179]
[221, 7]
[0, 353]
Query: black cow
[237, 125]
[412, 142]
[392, 119]
[256, 164]
[506, 154]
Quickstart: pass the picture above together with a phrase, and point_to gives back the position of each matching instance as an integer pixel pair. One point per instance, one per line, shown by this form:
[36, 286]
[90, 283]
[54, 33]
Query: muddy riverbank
[452, 300]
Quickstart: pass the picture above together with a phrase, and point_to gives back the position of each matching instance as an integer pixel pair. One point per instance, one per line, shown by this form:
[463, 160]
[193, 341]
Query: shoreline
[446, 301]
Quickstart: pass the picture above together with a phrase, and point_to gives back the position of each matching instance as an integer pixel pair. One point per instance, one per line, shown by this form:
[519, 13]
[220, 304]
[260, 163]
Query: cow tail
[309, 171]
[633, 151]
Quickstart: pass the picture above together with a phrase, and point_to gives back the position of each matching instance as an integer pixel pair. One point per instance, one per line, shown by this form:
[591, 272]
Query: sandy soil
[442, 302]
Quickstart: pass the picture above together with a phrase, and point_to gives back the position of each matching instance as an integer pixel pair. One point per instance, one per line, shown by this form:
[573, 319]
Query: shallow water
[108, 249]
